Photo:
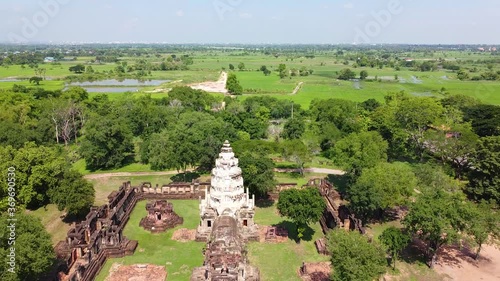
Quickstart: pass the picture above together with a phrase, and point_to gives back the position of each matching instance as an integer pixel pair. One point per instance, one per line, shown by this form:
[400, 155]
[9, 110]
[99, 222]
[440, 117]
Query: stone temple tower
[227, 197]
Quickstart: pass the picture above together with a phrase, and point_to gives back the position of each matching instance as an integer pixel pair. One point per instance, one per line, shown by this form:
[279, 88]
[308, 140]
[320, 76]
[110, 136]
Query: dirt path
[297, 89]
[218, 86]
[458, 265]
[129, 174]
[312, 170]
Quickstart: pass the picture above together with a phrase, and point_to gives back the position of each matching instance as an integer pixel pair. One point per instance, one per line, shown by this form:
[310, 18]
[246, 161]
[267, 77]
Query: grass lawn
[51, 219]
[46, 84]
[130, 168]
[280, 261]
[104, 186]
[159, 249]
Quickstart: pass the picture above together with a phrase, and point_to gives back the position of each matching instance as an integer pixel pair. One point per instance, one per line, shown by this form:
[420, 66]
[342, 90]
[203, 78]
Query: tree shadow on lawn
[292, 231]
[415, 252]
[264, 203]
[185, 177]
[452, 255]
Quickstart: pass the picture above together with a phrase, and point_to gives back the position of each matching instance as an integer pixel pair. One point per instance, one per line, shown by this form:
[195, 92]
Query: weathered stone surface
[227, 222]
[227, 197]
[161, 216]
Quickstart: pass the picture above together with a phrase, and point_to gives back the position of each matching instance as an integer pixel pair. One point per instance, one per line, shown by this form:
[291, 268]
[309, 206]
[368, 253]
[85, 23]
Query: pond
[115, 82]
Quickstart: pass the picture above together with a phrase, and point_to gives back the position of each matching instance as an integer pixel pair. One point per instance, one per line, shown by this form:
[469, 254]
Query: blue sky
[251, 21]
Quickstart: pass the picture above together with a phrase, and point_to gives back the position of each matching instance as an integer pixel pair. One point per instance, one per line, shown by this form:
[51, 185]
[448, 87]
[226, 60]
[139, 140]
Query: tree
[75, 194]
[454, 148]
[346, 74]
[297, 152]
[241, 66]
[267, 72]
[386, 185]
[36, 80]
[484, 178]
[107, 142]
[353, 257]
[79, 68]
[358, 151]
[436, 217]
[484, 226]
[395, 241]
[34, 253]
[363, 74]
[283, 74]
[196, 139]
[370, 104]
[281, 67]
[462, 75]
[344, 114]
[302, 206]
[231, 66]
[190, 98]
[233, 85]
[484, 118]
[38, 170]
[415, 116]
[257, 171]
[294, 128]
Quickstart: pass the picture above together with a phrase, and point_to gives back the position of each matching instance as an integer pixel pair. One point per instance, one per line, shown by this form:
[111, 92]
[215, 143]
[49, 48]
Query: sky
[251, 21]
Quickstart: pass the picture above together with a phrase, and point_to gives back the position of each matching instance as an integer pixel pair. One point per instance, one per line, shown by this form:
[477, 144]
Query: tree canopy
[302, 206]
[383, 186]
[358, 151]
[353, 257]
[33, 249]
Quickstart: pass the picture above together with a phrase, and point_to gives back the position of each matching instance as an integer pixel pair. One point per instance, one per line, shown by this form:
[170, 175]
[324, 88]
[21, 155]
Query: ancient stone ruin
[226, 224]
[227, 197]
[319, 271]
[225, 256]
[161, 216]
[276, 234]
[97, 238]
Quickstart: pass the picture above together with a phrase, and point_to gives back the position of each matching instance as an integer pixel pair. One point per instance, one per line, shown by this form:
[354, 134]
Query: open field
[322, 84]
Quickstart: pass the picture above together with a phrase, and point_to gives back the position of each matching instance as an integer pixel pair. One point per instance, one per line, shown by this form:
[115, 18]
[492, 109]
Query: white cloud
[180, 13]
[246, 15]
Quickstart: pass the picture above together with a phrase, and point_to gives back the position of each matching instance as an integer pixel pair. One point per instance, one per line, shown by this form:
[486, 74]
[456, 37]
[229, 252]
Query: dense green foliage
[233, 85]
[437, 217]
[359, 151]
[384, 186]
[395, 241]
[257, 172]
[485, 177]
[353, 257]
[302, 206]
[43, 176]
[34, 254]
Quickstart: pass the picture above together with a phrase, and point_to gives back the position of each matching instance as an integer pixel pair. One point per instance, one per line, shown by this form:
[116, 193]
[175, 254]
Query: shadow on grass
[340, 183]
[415, 252]
[292, 231]
[264, 203]
[185, 177]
